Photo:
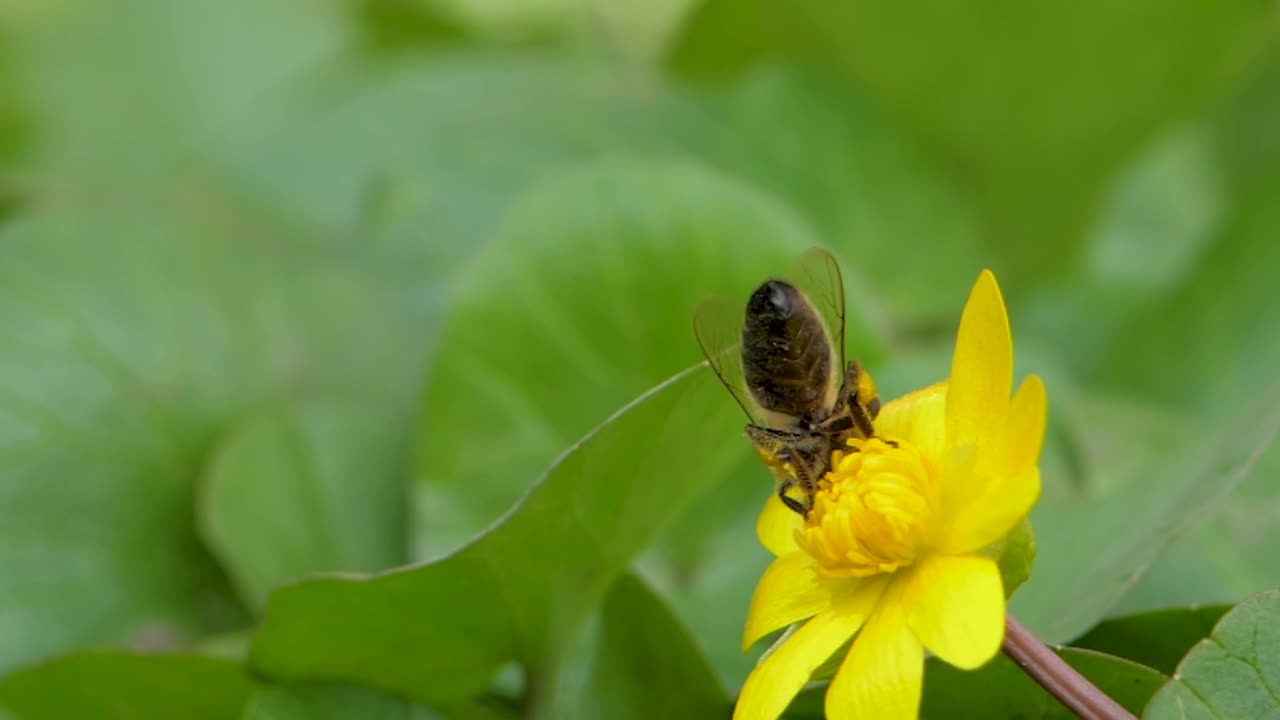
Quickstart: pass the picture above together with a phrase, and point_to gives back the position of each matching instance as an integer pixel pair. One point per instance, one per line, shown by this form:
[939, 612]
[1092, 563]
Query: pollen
[874, 512]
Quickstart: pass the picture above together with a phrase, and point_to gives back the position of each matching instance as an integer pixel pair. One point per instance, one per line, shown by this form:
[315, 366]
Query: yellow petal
[776, 527]
[955, 606]
[776, 680]
[789, 591]
[982, 366]
[987, 519]
[881, 676]
[1017, 445]
[918, 417]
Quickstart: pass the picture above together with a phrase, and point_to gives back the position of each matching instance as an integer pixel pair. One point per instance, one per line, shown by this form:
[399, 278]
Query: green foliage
[1017, 557]
[639, 637]
[330, 702]
[1233, 672]
[128, 353]
[524, 587]
[1102, 542]
[1001, 689]
[1021, 98]
[119, 686]
[1156, 639]
[276, 503]
[350, 342]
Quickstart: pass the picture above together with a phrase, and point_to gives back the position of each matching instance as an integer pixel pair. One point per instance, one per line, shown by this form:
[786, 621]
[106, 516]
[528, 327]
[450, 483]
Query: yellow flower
[897, 552]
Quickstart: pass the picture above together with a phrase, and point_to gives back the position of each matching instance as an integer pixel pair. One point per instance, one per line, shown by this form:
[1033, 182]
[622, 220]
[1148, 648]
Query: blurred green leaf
[15, 126]
[1207, 321]
[520, 591]
[304, 490]
[330, 702]
[421, 159]
[399, 25]
[1093, 547]
[171, 89]
[125, 686]
[871, 195]
[1114, 440]
[646, 665]
[583, 301]
[1166, 211]
[1000, 689]
[126, 354]
[1228, 558]
[1224, 336]
[418, 159]
[1156, 639]
[1244, 129]
[1161, 212]
[1234, 672]
[1034, 105]
[708, 562]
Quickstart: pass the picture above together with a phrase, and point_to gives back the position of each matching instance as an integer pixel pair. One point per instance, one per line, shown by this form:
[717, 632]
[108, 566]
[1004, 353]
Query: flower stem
[1061, 680]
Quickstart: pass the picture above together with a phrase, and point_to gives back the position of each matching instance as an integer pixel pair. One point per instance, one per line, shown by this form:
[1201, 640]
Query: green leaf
[1002, 690]
[417, 160]
[124, 686]
[398, 25]
[707, 564]
[304, 490]
[331, 702]
[15, 135]
[1226, 559]
[422, 160]
[1234, 672]
[1032, 121]
[646, 664]
[116, 118]
[1214, 334]
[135, 337]
[520, 591]
[1156, 639]
[1091, 549]
[1225, 327]
[1017, 556]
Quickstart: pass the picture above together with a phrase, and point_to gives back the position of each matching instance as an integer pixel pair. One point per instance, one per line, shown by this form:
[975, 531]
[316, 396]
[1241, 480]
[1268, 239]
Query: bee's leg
[803, 469]
[771, 438]
[849, 386]
[793, 504]
[862, 420]
[847, 402]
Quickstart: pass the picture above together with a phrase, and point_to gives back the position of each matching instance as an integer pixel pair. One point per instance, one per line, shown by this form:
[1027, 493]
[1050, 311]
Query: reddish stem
[1061, 680]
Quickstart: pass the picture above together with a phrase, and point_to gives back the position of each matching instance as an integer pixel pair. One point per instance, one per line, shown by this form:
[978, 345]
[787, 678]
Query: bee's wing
[718, 326]
[817, 274]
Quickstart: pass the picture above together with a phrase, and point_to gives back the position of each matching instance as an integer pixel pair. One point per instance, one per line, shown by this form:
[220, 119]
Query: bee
[782, 359]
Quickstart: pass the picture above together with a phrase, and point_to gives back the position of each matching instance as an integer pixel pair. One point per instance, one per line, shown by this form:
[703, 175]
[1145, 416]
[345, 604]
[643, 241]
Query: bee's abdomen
[786, 354]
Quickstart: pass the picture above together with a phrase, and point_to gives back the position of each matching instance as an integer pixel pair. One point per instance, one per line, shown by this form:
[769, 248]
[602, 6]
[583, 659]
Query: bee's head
[773, 299]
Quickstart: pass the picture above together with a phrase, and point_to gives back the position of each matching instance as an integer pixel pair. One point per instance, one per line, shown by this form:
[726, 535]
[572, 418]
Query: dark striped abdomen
[786, 352]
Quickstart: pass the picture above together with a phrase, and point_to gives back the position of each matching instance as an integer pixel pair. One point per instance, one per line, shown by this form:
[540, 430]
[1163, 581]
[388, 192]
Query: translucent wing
[817, 274]
[718, 326]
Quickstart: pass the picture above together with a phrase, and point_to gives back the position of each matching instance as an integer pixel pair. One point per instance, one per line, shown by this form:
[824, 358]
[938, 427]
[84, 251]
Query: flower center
[873, 512]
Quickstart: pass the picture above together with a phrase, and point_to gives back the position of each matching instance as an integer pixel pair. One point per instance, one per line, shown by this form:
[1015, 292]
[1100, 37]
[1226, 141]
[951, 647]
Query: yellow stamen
[873, 512]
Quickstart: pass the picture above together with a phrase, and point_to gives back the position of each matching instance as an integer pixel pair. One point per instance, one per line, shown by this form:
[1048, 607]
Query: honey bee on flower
[782, 359]
[897, 551]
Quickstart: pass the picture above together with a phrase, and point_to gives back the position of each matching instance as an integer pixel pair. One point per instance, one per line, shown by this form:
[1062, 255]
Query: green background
[292, 287]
